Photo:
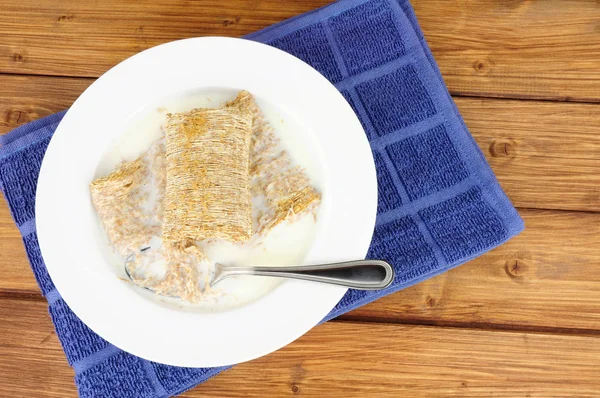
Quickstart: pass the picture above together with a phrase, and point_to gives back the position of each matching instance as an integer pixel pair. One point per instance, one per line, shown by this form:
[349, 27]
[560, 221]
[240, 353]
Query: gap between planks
[24, 296]
[540, 329]
[453, 93]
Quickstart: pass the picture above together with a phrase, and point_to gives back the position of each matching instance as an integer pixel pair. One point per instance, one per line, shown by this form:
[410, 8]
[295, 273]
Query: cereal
[207, 193]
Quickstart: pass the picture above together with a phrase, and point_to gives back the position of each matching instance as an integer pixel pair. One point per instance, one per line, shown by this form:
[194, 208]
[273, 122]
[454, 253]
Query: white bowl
[67, 225]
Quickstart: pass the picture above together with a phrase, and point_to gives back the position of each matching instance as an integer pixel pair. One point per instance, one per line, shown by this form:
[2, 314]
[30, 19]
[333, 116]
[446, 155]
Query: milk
[286, 244]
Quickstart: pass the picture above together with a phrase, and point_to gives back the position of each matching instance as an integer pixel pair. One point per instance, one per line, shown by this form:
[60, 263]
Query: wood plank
[27, 98]
[341, 359]
[85, 39]
[548, 277]
[518, 48]
[545, 154]
[16, 273]
[33, 364]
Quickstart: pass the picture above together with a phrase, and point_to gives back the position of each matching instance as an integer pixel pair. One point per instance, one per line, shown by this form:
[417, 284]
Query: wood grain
[27, 98]
[547, 277]
[341, 359]
[72, 38]
[545, 154]
[516, 48]
[33, 364]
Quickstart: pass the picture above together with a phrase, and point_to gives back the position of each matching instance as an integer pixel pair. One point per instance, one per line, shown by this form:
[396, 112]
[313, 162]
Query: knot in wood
[516, 268]
[430, 301]
[65, 18]
[479, 66]
[14, 116]
[231, 21]
[503, 147]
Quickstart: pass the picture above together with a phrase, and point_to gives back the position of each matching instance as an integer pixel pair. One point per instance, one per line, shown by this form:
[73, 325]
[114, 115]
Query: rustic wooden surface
[522, 320]
[344, 359]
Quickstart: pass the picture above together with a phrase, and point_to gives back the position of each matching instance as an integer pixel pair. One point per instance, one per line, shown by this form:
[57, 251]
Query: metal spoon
[360, 274]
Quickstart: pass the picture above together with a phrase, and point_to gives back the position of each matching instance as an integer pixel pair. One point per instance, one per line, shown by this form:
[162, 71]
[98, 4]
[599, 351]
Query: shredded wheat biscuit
[123, 203]
[284, 188]
[207, 193]
[129, 203]
[181, 277]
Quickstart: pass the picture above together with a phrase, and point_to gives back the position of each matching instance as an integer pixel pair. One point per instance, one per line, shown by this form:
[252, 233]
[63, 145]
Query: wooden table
[522, 320]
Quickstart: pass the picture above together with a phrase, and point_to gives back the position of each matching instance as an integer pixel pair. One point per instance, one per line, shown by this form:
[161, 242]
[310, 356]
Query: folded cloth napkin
[439, 203]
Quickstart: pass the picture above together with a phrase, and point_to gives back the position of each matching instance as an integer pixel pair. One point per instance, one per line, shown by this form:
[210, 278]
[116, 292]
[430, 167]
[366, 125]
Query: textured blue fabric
[36, 261]
[387, 193]
[316, 51]
[366, 36]
[127, 377]
[439, 203]
[427, 162]
[395, 100]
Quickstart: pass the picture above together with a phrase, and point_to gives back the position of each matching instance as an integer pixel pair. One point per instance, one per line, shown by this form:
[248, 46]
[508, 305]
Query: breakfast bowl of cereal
[191, 153]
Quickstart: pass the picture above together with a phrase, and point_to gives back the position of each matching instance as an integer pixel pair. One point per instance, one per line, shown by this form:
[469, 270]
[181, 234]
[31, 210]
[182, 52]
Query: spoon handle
[361, 274]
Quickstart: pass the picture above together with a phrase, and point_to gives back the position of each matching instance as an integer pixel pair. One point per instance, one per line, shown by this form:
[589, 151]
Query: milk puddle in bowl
[286, 244]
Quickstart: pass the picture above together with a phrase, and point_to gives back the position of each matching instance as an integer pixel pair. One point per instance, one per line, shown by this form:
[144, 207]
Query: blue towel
[439, 203]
